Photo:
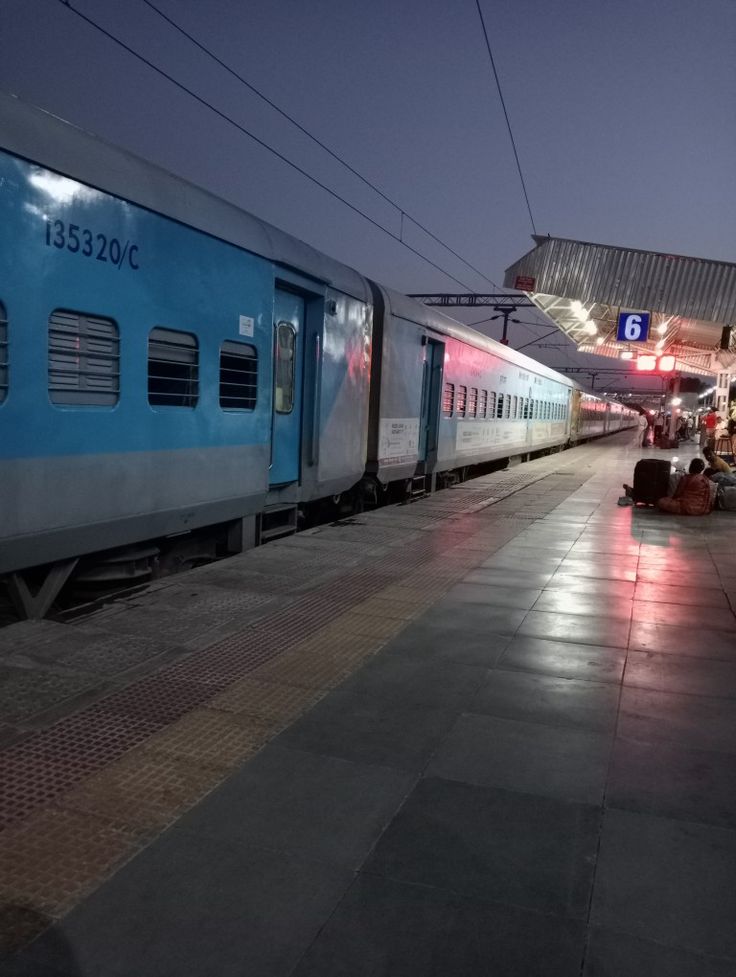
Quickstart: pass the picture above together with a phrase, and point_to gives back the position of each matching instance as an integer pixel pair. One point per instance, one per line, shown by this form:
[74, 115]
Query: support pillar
[720, 398]
[674, 395]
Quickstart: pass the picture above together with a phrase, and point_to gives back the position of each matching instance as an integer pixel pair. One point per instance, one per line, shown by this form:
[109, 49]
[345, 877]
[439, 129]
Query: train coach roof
[408, 308]
[42, 138]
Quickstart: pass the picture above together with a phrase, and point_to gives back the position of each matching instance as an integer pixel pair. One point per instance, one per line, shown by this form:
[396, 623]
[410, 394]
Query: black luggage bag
[651, 480]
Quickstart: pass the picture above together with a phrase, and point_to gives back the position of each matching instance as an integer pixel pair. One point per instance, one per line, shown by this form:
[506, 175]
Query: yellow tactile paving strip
[210, 736]
[144, 790]
[269, 701]
[64, 851]
[57, 857]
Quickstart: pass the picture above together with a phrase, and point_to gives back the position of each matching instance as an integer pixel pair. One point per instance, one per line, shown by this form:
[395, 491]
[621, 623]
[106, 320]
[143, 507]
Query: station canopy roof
[583, 287]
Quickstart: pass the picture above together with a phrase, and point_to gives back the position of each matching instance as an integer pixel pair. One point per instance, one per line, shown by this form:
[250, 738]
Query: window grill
[462, 401]
[84, 360]
[515, 410]
[3, 354]
[499, 406]
[448, 399]
[492, 404]
[507, 406]
[238, 376]
[173, 368]
[483, 403]
[473, 402]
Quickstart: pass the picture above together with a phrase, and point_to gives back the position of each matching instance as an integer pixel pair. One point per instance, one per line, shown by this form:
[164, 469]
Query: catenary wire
[310, 135]
[67, 4]
[506, 115]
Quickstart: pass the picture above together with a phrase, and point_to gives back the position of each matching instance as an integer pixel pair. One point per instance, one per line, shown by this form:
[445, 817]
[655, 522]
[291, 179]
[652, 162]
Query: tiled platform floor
[471, 739]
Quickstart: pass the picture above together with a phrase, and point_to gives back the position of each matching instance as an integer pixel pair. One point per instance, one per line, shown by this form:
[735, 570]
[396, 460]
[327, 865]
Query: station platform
[488, 733]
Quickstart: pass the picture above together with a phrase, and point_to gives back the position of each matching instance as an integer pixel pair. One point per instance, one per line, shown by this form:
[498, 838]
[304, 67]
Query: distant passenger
[658, 428]
[694, 493]
[708, 429]
[732, 419]
[643, 429]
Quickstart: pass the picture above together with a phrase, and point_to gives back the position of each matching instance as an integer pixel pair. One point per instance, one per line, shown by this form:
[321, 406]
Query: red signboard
[525, 283]
[650, 363]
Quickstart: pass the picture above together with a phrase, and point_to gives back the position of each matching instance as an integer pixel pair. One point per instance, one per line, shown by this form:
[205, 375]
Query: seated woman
[693, 495]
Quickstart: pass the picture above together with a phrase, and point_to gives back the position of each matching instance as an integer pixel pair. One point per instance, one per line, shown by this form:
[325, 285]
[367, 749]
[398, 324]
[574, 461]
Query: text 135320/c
[81, 240]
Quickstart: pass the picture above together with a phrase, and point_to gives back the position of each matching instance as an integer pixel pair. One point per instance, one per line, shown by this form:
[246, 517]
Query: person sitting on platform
[693, 495]
[718, 471]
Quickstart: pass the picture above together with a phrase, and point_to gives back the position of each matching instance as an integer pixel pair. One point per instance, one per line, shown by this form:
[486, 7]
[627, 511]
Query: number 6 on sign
[633, 327]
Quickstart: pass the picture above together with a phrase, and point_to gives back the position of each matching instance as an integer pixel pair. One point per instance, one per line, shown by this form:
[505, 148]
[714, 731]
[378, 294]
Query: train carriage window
[3, 354]
[173, 368]
[492, 404]
[507, 406]
[448, 399]
[483, 403]
[499, 406]
[473, 402]
[284, 374]
[515, 409]
[238, 376]
[462, 400]
[84, 360]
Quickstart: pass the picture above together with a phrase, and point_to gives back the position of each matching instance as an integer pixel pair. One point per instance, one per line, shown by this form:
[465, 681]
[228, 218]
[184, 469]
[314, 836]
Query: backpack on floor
[727, 497]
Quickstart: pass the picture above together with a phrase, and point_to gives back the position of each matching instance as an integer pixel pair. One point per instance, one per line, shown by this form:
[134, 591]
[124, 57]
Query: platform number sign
[633, 327]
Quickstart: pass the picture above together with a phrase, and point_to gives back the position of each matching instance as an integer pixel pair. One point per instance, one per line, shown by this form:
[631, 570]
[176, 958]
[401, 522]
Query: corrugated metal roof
[673, 284]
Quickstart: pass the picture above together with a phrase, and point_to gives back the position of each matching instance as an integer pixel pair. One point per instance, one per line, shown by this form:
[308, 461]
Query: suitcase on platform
[651, 480]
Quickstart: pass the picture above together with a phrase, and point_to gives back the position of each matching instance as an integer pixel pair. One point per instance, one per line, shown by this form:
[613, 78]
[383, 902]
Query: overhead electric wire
[256, 139]
[534, 342]
[506, 114]
[310, 135]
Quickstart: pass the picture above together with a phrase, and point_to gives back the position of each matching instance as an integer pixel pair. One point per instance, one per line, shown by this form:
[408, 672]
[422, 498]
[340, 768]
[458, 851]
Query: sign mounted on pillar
[633, 327]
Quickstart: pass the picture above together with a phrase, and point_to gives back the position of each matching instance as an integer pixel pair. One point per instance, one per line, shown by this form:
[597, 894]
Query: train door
[286, 421]
[576, 414]
[434, 359]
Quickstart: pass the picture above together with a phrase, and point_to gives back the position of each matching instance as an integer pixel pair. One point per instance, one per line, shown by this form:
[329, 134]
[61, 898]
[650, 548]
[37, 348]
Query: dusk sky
[623, 114]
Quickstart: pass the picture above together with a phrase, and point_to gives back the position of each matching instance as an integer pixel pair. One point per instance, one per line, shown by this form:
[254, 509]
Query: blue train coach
[179, 380]
[167, 362]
